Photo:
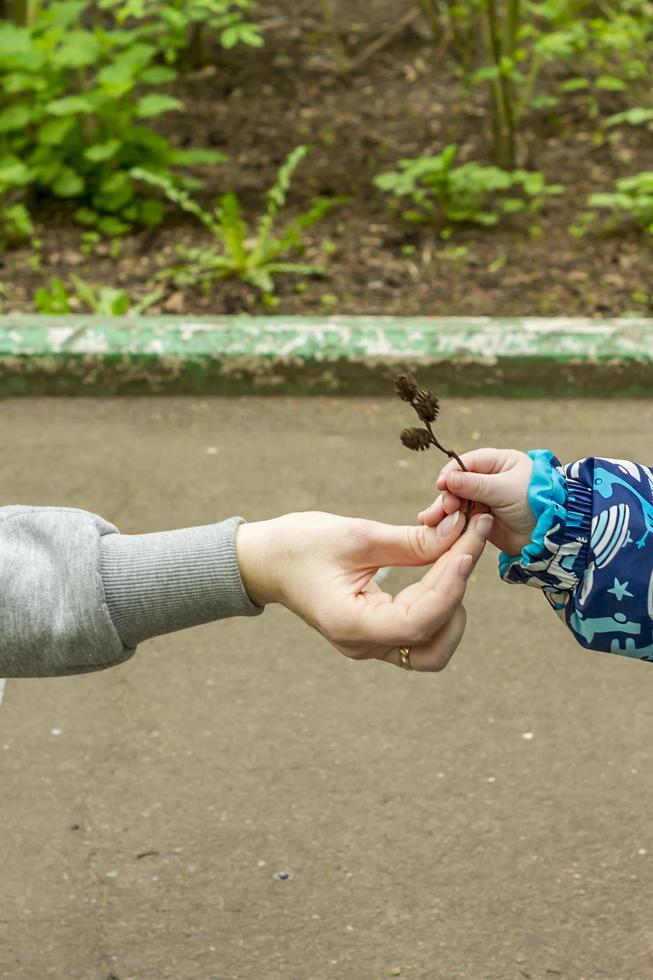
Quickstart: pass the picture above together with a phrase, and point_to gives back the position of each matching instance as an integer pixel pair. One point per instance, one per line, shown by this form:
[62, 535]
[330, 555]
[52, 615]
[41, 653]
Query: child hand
[497, 478]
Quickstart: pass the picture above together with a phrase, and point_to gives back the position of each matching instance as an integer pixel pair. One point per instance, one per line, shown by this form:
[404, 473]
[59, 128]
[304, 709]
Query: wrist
[254, 550]
[547, 503]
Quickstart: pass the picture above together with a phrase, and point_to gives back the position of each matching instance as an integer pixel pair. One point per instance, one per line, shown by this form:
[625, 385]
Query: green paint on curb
[79, 355]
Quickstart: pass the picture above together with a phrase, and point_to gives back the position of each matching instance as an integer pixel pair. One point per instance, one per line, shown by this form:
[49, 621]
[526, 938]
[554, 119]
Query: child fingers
[433, 514]
[476, 487]
[477, 461]
[472, 542]
[446, 503]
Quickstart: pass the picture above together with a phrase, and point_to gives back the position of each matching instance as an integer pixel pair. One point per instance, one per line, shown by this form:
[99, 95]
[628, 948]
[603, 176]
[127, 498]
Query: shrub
[76, 102]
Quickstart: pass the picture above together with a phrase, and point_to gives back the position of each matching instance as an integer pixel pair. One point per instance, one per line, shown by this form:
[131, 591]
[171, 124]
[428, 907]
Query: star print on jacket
[592, 550]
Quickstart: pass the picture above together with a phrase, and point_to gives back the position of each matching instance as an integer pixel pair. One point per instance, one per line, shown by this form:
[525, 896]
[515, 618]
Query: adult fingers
[472, 542]
[404, 624]
[388, 544]
[434, 655]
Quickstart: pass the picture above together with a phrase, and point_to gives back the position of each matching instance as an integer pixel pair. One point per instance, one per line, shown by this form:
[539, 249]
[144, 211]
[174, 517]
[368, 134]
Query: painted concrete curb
[97, 356]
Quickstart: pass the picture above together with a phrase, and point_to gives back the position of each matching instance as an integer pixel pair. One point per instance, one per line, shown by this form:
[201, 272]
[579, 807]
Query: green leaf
[54, 132]
[486, 74]
[77, 50]
[511, 205]
[68, 183]
[14, 117]
[611, 84]
[633, 117]
[118, 77]
[86, 216]
[607, 200]
[230, 37]
[14, 40]
[250, 34]
[154, 145]
[100, 152]
[234, 229]
[151, 213]
[13, 172]
[113, 302]
[17, 225]
[112, 226]
[158, 75]
[155, 104]
[575, 85]
[18, 81]
[196, 156]
[544, 102]
[70, 105]
[115, 192]
[125, 70]
[55, 300]
[260, 278]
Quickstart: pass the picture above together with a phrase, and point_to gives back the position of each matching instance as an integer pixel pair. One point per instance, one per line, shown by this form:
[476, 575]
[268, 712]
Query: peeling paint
[303, 355]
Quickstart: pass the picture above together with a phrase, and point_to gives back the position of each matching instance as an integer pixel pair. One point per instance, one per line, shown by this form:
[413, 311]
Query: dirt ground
[319, 81]
[239, 802]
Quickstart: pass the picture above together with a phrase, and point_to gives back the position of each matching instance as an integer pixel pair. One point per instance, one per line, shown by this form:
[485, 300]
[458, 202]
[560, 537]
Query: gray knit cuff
[170, 580]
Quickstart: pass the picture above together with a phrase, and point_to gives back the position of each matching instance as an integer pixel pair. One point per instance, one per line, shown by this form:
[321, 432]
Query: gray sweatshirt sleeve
[76, 595]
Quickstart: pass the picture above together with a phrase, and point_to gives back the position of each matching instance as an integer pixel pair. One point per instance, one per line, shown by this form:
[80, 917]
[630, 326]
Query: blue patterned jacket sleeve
[592, 550]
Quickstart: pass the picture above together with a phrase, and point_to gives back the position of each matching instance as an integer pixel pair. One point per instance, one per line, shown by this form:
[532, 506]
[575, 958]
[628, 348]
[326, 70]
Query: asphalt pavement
[240, 802]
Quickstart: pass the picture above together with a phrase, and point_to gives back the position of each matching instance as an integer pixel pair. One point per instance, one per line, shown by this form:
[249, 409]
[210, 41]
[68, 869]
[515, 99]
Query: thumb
[388, 545]
[478, 487]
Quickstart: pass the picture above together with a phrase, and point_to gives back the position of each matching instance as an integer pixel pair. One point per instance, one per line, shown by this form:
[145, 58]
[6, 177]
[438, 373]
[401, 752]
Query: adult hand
[321, 567]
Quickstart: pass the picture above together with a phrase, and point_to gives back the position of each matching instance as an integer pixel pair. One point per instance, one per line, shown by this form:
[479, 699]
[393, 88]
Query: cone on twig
[406, 387]
[416, 438]
[427, 406]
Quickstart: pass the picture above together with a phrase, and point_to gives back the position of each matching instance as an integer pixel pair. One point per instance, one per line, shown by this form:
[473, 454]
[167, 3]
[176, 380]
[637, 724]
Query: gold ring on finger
[404, 656]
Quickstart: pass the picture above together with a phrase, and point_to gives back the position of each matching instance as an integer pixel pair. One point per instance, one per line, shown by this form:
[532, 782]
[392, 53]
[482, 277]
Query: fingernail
[466, 565]
[483, 526]
[448, 525]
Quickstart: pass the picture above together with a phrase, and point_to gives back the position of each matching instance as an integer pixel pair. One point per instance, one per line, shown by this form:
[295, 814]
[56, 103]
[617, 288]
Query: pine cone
[416, 438]
[406, 387]
[426, 405]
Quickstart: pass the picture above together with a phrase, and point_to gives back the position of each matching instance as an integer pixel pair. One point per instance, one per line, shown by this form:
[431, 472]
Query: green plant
[635, 116]
[507, 45]
[185, 27]
[16, 226]
[633, 197]
[251, 254]
[75, 104]
[101, 300]
[442, 193]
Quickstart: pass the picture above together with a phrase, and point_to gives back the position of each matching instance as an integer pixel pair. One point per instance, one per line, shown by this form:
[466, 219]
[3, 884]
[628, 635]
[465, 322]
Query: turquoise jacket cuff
[547, 499]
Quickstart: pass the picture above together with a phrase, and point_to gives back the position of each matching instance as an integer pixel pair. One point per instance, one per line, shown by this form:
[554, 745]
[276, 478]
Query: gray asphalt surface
[492, 822]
